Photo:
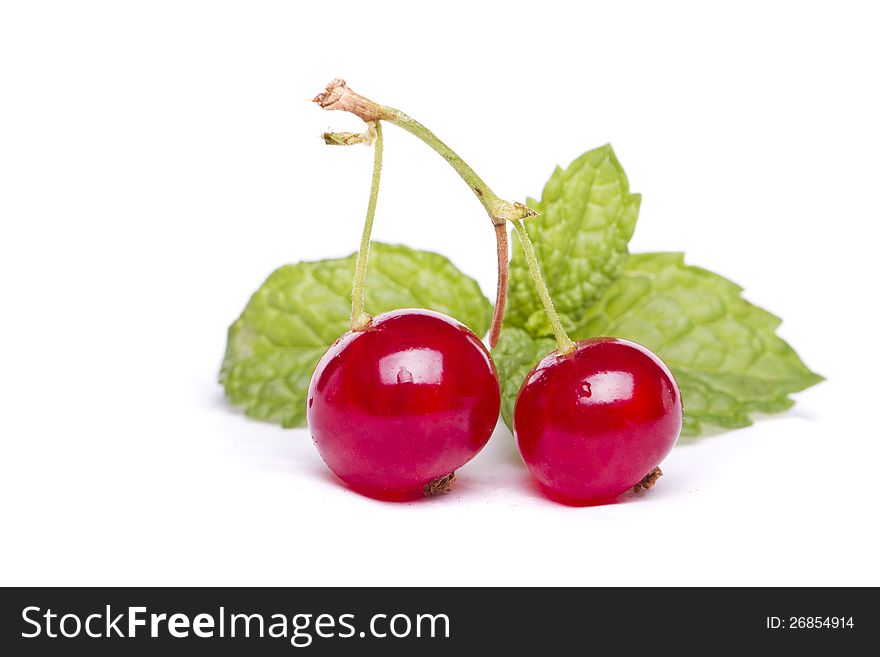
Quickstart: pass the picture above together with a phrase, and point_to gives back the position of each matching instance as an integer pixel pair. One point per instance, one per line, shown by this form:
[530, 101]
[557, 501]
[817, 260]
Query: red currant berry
[594, 423]
[400, 405]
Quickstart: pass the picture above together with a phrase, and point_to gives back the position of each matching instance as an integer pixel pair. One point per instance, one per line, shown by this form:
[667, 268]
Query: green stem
[359, 318]
[490, 200]
[338, 96]
[564, 343]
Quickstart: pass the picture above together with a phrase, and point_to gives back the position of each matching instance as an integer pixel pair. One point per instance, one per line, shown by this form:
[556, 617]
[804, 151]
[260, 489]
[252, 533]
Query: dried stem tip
[351, 138]
[337, 96]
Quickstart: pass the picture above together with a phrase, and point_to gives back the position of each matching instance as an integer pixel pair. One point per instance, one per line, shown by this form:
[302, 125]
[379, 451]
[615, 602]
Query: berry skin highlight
[596, 422]
[397, 407]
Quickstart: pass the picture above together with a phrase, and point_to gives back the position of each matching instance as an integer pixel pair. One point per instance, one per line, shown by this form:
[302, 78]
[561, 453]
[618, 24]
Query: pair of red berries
[396, 408]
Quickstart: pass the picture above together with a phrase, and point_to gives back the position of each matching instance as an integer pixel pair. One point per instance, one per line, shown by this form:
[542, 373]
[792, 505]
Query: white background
[159, 159]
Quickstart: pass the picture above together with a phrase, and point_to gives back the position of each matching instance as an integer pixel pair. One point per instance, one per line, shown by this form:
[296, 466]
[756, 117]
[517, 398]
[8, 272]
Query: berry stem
[501, 292]
[494, 205]
[564, 344]
[338, 96]
[359, 318]
[351, 138]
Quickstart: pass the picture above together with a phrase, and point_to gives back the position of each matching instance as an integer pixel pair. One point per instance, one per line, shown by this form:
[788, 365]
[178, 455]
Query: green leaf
[515, 355]
[587, 217]
[302, 309]
[723, 351]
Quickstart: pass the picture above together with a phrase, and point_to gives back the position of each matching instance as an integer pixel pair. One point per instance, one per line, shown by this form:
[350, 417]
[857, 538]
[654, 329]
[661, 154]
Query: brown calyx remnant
[338, 96]
[648, 482]
[440, 485]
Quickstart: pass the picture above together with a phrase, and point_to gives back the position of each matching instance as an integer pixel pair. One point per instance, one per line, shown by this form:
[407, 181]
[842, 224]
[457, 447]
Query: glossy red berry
[403, 403]
[594, 423]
